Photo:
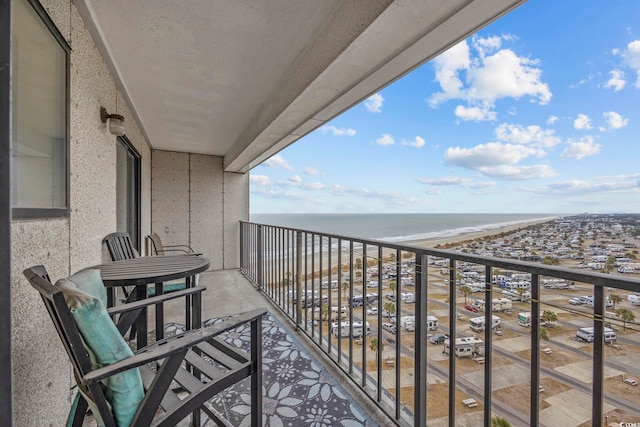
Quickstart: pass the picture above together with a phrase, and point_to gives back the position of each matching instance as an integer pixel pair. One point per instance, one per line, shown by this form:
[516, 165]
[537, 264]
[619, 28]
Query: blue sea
[397, 227]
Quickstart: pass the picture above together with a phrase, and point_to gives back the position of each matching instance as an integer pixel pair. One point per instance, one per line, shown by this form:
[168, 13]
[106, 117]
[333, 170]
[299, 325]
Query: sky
[537, 113]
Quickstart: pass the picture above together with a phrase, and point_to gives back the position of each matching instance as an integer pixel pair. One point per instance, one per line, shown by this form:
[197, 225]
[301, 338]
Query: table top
[151, 269]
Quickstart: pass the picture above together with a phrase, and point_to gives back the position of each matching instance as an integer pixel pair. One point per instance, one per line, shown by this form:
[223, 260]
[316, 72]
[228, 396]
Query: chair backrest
[156, 243]
[65, 325]
[120, 246]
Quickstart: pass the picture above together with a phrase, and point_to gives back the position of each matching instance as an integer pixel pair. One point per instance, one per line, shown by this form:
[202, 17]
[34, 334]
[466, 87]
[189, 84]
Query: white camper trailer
[587, 334]
[498, 304]
[477, 323]
[432, 323]
[465, 347]
[344, 329]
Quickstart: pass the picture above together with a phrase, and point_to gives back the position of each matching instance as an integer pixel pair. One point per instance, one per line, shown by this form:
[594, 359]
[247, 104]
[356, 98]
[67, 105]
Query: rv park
[602, 244]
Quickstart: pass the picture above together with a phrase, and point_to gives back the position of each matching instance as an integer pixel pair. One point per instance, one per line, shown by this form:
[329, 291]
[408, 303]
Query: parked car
[438, 338]
[389, 327]
[575, 301]
[372, 311]
[471, 308]
[390, 297]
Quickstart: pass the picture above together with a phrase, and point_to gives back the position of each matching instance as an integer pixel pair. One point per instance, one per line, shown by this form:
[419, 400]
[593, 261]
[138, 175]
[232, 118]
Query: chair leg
[256, 376]
[77, 412]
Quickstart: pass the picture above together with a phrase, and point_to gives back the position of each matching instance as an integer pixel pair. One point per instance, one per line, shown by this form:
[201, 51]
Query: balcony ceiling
[245, 78]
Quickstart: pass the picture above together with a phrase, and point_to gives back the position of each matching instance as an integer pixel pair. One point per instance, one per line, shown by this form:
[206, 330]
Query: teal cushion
[105, 345]
[89, 281]
[166, 288]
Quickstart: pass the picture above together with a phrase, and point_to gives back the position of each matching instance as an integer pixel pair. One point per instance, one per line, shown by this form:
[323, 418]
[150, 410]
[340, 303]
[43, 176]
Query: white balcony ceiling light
[244, 79]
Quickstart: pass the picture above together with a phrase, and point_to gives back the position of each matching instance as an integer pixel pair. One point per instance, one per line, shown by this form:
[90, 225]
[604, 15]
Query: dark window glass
[128, 190]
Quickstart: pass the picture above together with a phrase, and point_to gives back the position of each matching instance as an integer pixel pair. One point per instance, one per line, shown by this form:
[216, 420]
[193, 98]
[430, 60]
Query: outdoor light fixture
[116, 122]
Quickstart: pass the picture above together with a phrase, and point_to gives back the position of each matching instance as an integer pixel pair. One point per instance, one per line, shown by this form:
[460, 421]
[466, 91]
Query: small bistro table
[143, 271]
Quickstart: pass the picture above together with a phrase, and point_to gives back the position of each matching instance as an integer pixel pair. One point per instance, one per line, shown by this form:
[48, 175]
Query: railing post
[535, 350]
[488, 344]
[420, 368]
[259, 253]
[453, 316]
[298, 270]
[597, 404]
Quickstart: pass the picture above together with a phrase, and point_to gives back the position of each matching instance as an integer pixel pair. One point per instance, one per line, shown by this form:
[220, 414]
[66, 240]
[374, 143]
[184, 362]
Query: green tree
[550, 317]
[393, 286]
[520, 292]
[550, 260]
[498, 421]
[358, 275]
[345, 288]
[544, 334]
[373, 345]
[466, 290]
[626, 316]
[390, 307]
[615, 299]
[358, 263]
[324, 311]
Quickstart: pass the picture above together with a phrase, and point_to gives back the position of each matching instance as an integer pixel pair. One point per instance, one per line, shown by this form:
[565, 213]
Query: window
[40, 114]
[128, 190]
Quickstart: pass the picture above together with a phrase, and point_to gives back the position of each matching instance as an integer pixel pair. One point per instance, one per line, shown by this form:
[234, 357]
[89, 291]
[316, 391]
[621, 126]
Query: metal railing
[328, 285]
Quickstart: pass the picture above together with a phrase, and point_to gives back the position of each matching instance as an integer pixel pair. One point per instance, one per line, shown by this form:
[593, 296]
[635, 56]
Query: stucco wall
[196, 203]
[41, 374]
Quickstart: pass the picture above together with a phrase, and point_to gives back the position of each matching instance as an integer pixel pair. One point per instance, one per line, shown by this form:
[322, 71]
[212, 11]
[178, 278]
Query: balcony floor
[300, 387]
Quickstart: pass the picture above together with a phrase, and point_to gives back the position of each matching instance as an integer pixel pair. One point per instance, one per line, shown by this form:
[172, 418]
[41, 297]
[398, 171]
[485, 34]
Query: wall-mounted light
[116, 122]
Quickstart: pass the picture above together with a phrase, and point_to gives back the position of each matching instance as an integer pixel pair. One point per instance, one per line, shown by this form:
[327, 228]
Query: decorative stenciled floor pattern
[297, 390]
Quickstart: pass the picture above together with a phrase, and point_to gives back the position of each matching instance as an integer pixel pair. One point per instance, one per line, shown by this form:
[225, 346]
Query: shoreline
[448, 242]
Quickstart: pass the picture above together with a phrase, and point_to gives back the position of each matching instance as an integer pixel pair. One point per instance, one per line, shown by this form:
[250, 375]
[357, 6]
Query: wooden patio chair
[159, 385]
[159, 249]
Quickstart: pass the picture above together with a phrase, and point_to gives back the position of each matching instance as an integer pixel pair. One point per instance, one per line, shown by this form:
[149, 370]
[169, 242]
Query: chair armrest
[190, 249]
[172, 346]
[136, 305]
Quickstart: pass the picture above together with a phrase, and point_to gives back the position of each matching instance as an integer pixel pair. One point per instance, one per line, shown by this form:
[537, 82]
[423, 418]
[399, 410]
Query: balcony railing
[330, 285]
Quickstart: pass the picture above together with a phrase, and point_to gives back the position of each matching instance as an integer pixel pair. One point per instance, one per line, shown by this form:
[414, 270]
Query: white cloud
[489, 75]
[530, 135]
[614, 120]
[631, 56]
[580, 149]
[417, 143]
[338, 131]
[262, 180]
[580, 187]
[278, 161]
[552, 119]
[474, 114]
[311, 171]
[510, 172]
[582, 122]
[456, 180]
[295, 178]
[432, 192]
[374, 103]
[385, 139]
[488, 155]
[617, 81]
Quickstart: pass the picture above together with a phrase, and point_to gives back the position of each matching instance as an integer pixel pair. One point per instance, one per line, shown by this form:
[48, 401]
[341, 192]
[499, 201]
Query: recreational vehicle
[477, 323]
[524, 319]
[335, 314]
[587, 335]
[498, 304]
[465, 347]
[515, 295]
[343, 329]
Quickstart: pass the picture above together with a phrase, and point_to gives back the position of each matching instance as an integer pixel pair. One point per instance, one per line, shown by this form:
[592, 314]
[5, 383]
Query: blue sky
[537, 113]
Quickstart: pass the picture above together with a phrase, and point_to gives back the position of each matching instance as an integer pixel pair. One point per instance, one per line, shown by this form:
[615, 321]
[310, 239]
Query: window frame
[37, 213]
[137, 187]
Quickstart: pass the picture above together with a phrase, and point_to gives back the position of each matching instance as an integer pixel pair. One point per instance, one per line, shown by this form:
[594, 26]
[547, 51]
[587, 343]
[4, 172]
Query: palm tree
[324, 311]
[345, 287]
[393, 286]
[358, 275]
[544, 334]
[615, 299]
[390, 307]
[625, 315]
[358, 263]
[373, 345]
[498, 421]
[466, 290]
[550, 317]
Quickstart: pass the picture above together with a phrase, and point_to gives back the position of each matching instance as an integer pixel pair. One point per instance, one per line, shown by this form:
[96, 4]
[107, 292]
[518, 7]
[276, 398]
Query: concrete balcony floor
[308, 394]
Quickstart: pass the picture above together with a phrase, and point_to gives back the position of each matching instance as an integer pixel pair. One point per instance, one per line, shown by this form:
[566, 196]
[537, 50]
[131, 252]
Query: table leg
[141, 323]
[188, 319]
[159, 314]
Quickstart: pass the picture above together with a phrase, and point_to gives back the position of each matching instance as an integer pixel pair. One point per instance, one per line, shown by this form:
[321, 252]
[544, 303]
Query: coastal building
[139, 117]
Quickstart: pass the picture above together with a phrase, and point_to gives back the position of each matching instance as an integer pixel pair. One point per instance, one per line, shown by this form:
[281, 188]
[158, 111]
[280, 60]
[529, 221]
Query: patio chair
[120, 247]
[159, 249]
[159, 385]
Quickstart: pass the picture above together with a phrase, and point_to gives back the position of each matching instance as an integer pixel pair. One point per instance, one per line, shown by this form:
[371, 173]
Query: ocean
[397, 227]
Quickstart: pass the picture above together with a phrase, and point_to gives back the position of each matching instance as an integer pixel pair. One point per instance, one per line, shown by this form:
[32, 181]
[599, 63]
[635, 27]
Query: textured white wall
[196, 203]
[41, 374]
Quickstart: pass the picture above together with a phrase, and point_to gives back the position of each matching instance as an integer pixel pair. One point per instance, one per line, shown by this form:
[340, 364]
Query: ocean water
[397, 227]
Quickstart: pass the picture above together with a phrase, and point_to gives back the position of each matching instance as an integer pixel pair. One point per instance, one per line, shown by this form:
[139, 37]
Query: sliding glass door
[128, 190]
